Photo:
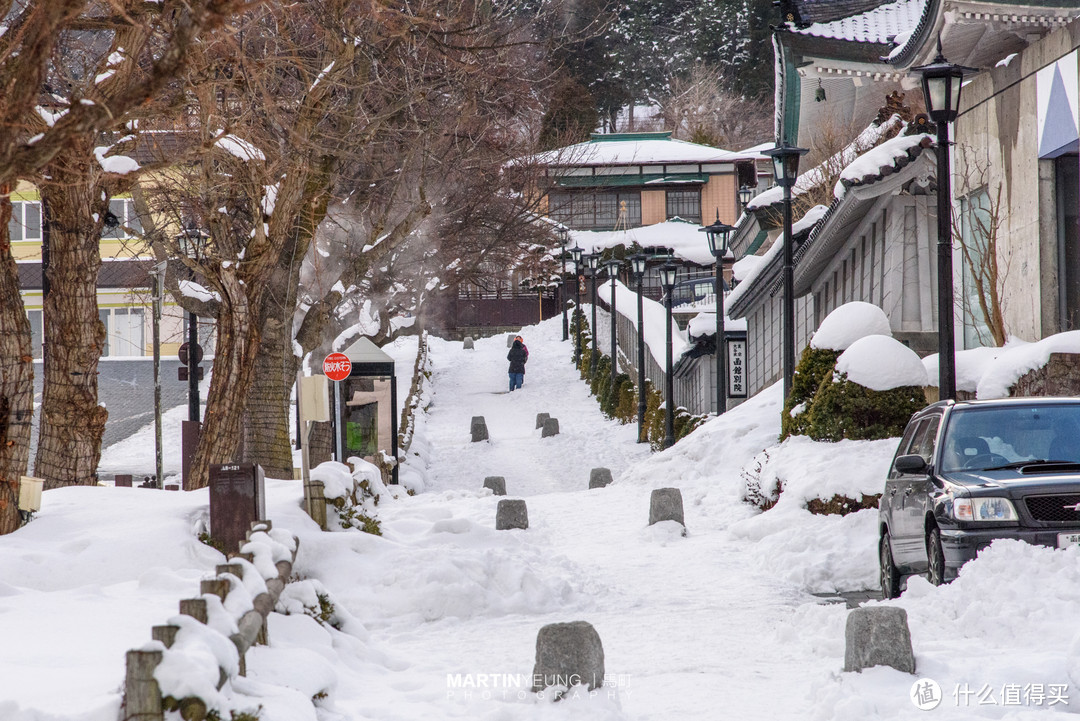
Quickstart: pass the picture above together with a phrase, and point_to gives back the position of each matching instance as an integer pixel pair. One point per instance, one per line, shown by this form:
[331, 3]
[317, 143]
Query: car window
[926, 438]
[906, 442]
[987, 436]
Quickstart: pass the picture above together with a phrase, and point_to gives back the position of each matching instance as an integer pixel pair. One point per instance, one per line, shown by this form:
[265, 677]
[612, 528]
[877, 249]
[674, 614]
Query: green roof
[621, 181]
[611, 137]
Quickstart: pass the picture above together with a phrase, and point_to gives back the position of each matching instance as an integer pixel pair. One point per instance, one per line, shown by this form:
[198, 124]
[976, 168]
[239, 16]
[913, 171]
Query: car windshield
[978, 438]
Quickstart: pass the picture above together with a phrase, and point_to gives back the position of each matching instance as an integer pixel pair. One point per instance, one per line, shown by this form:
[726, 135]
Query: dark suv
[969, 472]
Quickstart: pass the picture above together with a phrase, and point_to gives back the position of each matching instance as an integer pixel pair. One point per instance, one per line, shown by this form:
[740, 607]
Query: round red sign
[337, 366]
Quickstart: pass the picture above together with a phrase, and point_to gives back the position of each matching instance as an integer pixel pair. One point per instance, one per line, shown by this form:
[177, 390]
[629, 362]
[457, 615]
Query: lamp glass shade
[593, 260]
[746, 193]
[575, 253]
[668, 273]
[941, 84]
[637, 262]
[778, 169]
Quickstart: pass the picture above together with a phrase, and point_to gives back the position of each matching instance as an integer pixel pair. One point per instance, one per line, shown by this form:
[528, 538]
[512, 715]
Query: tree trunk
[267, 416]
[322, 444]
[231, 382]
[72, 423]
[16, 378]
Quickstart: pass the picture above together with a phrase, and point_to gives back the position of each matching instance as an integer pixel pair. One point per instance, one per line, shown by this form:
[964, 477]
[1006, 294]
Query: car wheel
[935, 567]
[890, 577]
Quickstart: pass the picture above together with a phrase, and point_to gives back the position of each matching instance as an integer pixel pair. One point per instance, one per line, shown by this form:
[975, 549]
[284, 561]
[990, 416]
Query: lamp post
[575, 255]
[668, 272]
[718, 234]
[637, 263]
[941, 83]
[593, 260]
[786, 171]
[746, 194]
[564, 234]
[613, 275]
[192, 243]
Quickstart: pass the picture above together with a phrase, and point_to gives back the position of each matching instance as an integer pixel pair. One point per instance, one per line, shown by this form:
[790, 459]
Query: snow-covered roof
[883, 160]
[679, 235]
[879, 25]
[635, 149]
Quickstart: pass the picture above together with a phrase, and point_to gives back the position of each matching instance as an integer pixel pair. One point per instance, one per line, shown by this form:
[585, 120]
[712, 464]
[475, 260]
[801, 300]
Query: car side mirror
[913, 463]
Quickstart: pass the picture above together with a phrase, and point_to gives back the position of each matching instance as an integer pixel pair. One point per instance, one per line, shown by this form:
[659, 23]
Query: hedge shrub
[844, 409]
[813, 367]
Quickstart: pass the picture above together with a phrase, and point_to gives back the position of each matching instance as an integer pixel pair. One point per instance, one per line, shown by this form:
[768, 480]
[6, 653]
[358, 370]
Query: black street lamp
[786, 171]
[593, 260]
[575, 256]
[668, 272]
[564, 236]
[613, 275]
[718, 234]
[637, 263]
[941, 82]
[746, 194]
[192, 243]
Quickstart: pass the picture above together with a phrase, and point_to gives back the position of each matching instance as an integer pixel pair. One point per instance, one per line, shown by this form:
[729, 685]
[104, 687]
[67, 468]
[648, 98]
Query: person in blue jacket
[517, 356]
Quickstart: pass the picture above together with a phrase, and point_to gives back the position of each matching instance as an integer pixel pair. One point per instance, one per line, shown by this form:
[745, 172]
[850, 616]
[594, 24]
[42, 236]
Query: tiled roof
[878, 25]
[824, 11]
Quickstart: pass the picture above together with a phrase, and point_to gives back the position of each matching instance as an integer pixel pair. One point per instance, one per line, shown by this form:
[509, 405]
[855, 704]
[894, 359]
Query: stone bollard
[666, 505]
[467, 344]
[479, 429]
[878, 636]
[551, 428]
[511, 514]
[599, 477]
[540, 418]
[568, 654]
[497, 484]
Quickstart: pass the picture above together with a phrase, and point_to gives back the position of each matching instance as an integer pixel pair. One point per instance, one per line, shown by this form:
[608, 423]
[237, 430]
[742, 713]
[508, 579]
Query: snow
[240, 148]
[848, 323]
[438, 617]
[684, 238]
[1017, 359]
[1005, 61]
[879, 25]
[874, 160]
[635, 151]
[654, 319]
[50, 117]
[746, 267]
[969, 365]
[119, 164]
[881, 363]
[191, 289]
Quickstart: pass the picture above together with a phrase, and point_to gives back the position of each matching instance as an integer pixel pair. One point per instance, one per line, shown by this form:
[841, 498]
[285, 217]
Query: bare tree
[702, 108]
[977, 228]
[39, 122]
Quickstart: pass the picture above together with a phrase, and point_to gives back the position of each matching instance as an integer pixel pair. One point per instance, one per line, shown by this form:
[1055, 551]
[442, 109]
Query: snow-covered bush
[815, 365]
[875, 388]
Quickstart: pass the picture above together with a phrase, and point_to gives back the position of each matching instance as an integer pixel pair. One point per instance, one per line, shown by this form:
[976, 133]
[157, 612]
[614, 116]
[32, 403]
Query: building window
[976, 228]
[1067, 183]
[590, 210]
[36, 318]
[685, 204]
[123, 331]
[128, 225]
[25, 223]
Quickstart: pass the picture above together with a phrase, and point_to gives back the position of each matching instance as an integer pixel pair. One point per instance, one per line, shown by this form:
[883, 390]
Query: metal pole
[946, 342]
[789, 297]
[193, 367]
[563, 299]
[721, 347]
[339, 425]
[158, 273]
[593, 359]
[641, 402]
[614, 348]
[579, 314]
[669, 381]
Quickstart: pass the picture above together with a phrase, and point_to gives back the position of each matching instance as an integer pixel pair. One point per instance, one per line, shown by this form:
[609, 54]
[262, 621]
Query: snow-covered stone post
[467, 344]
[878, 636]
[551, 428]
[511, 514]
[666, 505]
[541, 418]
[599, 477]
[479, 429]
[497, 484]
[567, 655]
